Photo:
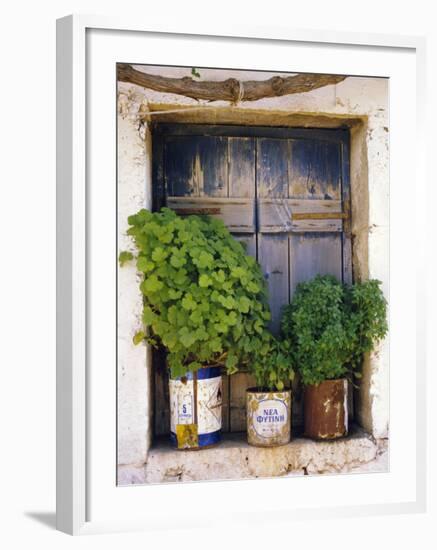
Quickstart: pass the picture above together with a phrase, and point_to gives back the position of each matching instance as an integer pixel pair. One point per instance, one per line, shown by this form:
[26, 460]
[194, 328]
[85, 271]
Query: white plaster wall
[363, 99]
[134, 368]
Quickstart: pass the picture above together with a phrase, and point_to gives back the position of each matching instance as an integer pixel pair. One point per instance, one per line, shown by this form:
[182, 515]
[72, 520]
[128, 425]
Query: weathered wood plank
[284, 215]
[347, 233]
[318, 226]
[226, 414]
[347, 267]
[239, 384]
[241, 154]
[314, 254]
[196, 166]
[160, 405]
[272, 168]
[297, 406]
[274, 215]
[249, 243]
[335, 135]
[272, 182]
[158, 176]
[303, 206]
[238, 214]
[161, 402]
[315, 170]
[273, 257]
[242, 183]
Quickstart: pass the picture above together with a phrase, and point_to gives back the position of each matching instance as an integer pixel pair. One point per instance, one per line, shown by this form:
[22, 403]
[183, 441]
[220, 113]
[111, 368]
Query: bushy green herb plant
[272, 365]
[204, 297]
[331, 326]
[314, 324]
[365, 319]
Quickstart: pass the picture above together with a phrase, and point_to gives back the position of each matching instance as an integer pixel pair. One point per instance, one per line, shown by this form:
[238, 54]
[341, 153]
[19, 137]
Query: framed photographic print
[235, 210]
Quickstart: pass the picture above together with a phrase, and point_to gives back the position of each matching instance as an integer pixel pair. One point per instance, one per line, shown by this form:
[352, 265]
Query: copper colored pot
[325, 409]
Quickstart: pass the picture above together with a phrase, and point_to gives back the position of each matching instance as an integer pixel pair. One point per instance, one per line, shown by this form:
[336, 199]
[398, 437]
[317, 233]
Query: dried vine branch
[228, 90]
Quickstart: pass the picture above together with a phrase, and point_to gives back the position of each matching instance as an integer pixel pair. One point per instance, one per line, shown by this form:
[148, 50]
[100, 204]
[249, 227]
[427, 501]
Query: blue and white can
[196, 409]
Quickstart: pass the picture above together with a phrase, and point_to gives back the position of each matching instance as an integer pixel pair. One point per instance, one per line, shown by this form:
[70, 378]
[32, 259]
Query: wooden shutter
[283, 192]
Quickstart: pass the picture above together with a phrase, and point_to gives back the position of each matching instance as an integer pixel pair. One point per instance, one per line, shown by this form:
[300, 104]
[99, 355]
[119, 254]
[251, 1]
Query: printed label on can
[270, 417]
[209, 399]
[209, 404]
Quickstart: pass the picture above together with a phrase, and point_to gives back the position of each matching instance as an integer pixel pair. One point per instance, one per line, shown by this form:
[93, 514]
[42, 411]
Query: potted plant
[331, 326]
[269, 405]
[205, 304]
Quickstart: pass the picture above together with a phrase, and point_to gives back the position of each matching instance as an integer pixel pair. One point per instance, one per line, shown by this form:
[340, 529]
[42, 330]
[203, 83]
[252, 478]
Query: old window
[284, 192]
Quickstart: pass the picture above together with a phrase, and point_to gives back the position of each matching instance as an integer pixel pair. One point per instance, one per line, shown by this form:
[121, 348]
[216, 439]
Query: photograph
[252, 274]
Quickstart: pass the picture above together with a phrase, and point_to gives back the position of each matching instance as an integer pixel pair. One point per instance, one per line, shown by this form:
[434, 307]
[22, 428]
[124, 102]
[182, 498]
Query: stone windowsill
[233, 458]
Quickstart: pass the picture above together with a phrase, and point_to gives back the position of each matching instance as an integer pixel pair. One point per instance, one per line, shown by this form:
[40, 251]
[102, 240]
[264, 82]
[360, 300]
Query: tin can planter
[196, 409]
[325, 409]
[268, 417]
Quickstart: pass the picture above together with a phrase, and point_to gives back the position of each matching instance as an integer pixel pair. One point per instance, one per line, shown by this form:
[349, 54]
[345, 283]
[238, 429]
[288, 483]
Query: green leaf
[253, 287]
[238, 272]
[138, 337]
[170, 340]
[177, 260]
[145, 265]
[177, 369]
[174, 294]
[231, 363]
[181, 277]
[188, 303]
[125, 257]
[151, 284]
[148, 315]
[205, 281]
[159, 255]
[232, 318]
[215, 344]
[186, 337]
[205, 260]
[244, 304]
[219, 276]
[196, 316]
[194, 366]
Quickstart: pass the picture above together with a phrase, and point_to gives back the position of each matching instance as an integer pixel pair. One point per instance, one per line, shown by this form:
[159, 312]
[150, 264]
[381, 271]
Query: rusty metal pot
[326, 409]
[268, 417]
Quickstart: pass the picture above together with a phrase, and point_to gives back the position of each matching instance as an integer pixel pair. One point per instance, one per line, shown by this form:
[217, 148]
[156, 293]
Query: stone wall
[362, 104]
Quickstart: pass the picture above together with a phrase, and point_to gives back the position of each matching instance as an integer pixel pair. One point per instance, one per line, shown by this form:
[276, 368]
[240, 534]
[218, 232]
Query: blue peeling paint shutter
[283, 192]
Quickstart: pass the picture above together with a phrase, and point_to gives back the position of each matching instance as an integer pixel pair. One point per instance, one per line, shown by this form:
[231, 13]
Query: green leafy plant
[331, 326]
[314, 324]
[272, 365]
[365, 319]
[204, 298]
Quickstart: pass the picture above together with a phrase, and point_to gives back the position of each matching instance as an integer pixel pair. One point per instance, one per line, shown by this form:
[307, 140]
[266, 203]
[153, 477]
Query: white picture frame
[78, 424]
